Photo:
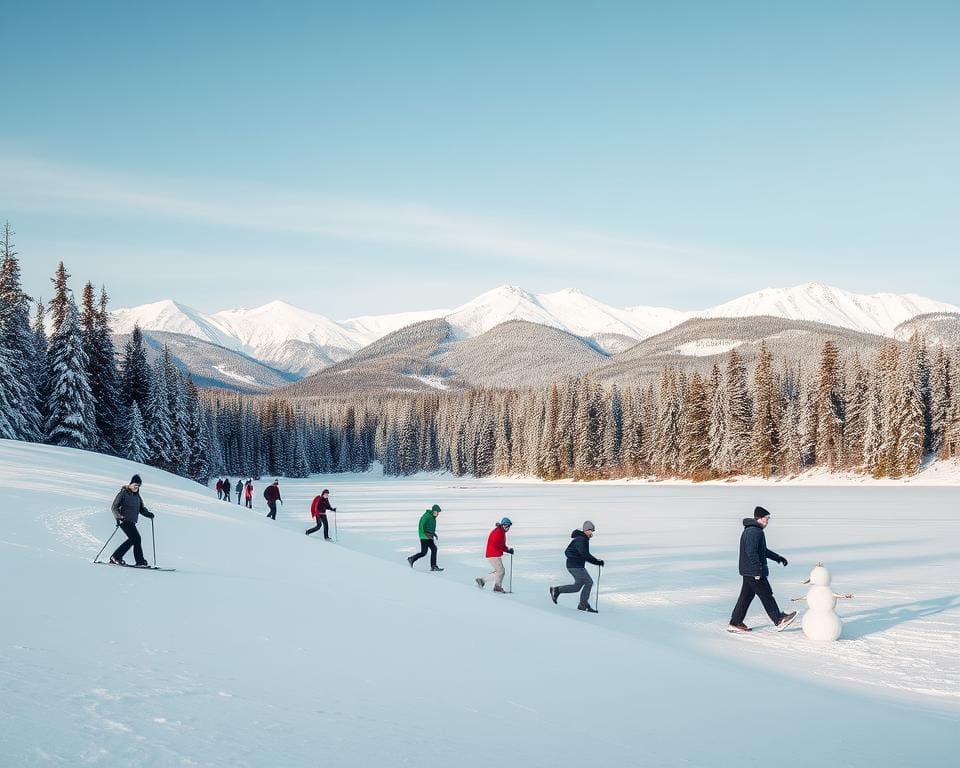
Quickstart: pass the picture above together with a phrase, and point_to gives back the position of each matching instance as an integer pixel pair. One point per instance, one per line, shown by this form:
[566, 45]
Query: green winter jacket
[428, 525]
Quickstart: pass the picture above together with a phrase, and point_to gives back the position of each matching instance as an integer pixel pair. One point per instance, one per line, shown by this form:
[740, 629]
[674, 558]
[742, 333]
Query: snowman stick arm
[842, 597]
[797, 599]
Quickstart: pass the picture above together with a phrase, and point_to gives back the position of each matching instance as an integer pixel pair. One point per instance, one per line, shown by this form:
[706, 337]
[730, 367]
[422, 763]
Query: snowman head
[819, 576]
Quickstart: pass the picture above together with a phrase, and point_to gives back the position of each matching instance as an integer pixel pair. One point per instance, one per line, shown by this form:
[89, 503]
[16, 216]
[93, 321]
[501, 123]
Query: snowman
[821, 622]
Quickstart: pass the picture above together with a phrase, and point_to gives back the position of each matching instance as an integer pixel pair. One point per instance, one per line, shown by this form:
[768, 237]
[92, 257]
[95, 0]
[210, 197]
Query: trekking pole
[97, 558]
[596, 602]
[153, 538]
[510, 581]
[336, 531]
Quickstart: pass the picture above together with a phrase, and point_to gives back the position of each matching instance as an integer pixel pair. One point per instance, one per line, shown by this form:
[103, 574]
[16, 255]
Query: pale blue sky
[371, 157]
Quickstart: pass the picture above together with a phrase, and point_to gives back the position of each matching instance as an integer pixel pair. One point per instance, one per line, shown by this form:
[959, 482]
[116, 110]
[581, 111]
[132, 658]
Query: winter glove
[510, 550]
[150, 515]
[783, 561]
[600, 563]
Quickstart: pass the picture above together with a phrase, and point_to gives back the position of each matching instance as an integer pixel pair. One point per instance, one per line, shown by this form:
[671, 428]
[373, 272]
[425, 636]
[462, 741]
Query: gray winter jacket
[128, 505]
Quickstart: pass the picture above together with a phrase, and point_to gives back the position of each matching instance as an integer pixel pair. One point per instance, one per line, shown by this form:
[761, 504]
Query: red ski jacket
[219, 485]
[496, 542]
[248, 491]
[320, 506]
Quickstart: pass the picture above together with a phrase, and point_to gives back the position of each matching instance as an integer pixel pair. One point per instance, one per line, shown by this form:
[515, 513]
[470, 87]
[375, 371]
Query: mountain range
[461, 346]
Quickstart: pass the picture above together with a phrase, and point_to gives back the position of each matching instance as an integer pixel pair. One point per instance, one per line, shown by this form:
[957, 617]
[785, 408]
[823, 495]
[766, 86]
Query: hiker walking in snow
[248, 494]
[239, 490]
[272, 494]
[496, 548]
[753, 568]
[127, 508]
[220, 488]
[578, 555]
[427, 530]
[318, 511]
[226, 489]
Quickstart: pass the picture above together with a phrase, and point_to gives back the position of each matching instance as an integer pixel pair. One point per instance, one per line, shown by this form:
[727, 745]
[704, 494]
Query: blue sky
[373, 157]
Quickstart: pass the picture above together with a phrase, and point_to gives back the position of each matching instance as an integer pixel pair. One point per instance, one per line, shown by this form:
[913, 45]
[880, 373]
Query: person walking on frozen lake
[239, 490]
[427, 531]
[226, 489]
[496, 548]
[578, 555]
[318, 511]
[127, 508]
[753, 568]
[272, 494]
[220, 488]
[248, 494]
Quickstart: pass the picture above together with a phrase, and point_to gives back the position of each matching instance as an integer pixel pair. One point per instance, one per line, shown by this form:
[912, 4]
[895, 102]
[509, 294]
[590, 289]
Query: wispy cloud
[31, 184]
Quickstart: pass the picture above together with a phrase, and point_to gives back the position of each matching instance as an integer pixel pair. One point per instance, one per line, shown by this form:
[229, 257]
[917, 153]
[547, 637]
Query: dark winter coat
[753, 550]
[226, 487]
[320, 506]
[578, 551]
[272, 493]
[128, 506]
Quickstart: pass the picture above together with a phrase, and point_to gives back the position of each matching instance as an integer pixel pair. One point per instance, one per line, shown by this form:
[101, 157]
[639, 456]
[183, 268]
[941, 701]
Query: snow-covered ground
[270, 648]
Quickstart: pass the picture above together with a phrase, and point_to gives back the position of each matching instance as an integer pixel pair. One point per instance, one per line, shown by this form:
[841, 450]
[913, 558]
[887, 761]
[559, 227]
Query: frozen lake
[671, 554]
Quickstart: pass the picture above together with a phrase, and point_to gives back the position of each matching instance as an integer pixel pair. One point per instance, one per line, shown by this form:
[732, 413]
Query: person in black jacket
[753, 568]
[578, 555]
[239, 490]
[226, 489]
[272, 494]
[318, 510]
[127, 508]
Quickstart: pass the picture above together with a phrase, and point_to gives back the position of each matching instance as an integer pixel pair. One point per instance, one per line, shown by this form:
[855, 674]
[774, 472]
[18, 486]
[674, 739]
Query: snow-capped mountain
[302, 342]
[878, 313]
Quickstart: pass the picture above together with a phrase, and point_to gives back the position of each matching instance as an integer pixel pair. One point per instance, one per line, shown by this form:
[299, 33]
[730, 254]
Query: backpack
[314, 506]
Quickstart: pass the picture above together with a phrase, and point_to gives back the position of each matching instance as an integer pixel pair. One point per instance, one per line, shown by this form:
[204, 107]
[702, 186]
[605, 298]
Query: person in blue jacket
[753, 568]
[578, 555]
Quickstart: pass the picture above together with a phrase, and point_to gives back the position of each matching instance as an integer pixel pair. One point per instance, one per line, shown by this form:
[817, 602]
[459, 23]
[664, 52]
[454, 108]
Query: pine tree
[695, 441]
[70, 401]
[856, 407]
[829, 442]
[158, 421]
[939, 398]
[39, 369]
[19, 416]
[135, 371]
[198, 464]
[912, 419]
[765, 438]
[136, 447]
[102, 365]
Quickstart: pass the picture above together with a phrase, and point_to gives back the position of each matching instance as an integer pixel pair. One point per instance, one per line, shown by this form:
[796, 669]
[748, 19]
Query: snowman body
[821, 622]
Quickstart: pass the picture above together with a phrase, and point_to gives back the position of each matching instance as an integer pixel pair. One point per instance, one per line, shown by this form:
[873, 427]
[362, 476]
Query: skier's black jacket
[578, 551]
[128, 506]
[753, 550]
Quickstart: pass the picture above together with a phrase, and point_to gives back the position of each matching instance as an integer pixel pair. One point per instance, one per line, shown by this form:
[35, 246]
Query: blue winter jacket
[753, 550]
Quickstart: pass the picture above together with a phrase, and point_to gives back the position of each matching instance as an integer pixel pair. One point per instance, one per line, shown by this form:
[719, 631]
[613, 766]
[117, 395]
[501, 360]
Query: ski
[134, 567]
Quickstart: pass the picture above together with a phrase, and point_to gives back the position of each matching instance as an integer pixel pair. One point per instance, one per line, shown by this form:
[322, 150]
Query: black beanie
[759, 512]
[136, 479]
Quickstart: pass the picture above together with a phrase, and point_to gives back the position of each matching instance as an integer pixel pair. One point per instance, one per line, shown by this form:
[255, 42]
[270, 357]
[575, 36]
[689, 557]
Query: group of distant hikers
[754, 554]
[244, 490]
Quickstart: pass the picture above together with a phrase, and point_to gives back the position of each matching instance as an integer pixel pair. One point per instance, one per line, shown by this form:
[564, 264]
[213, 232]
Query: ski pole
[153, 538]
[510, 581]
[596, 602]
[97, 558]
[336, 531]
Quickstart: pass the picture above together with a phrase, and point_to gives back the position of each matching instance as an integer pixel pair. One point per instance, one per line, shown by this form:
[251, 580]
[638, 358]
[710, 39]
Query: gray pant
[582, 583]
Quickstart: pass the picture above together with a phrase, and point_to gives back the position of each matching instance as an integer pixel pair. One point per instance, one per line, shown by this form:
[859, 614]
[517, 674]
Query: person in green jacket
[428, 536]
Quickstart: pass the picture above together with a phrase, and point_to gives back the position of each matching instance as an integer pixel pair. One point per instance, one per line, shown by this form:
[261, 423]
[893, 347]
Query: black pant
[321, 520]
[226, 496]
[753, 587]
[249, 504]
[239, 494]
[133, 540]
[273, 509]
[426, 544]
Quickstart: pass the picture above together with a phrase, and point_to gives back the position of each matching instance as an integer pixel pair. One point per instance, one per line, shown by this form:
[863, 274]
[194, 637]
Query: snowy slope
[267, 648]
[878, 313]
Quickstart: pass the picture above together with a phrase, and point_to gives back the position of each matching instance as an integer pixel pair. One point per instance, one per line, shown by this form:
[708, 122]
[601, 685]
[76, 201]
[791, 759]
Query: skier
[127, 508]
[753, 568]
[427, 531]
[220, 488]
[496, 547]
[239, 490]
[226, 489]
[318, 510]
[578, 555]
[248, 493]
[272, 494]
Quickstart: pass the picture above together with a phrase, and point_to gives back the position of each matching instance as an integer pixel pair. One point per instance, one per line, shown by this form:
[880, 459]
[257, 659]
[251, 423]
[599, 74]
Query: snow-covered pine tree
[740, 410]
[765, 438]
[179, 415]
[38, 370]
[158, 421]
[789, 453]
[548, 450]
[19, 416]
[669, 429]
[911, 416]
[695, 440]
[135, 371]
[136, 448]
[70, 401]
[855, 409]
[890, 389]
[829, 445]
[632, 445]
[613, 432]
[939, 398]
[198, 463]
[501, 451]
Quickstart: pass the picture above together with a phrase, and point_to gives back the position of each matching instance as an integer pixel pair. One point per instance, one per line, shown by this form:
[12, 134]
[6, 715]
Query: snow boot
[498, 588]
[410, 560]
[740, 628]
[586, 608]
[435, 568]
[144, 564]
[116, 560]
[786, 620]
[480, 582]
[554, 594]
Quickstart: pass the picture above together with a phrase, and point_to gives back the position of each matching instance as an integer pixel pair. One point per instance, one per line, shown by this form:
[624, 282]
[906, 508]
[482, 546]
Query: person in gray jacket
[127, 508]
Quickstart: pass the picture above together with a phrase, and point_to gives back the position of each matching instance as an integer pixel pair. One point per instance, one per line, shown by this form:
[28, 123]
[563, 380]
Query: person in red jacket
[496, 548]
[248, 494]
[318, 510]
[220, 488]
[272, 494]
